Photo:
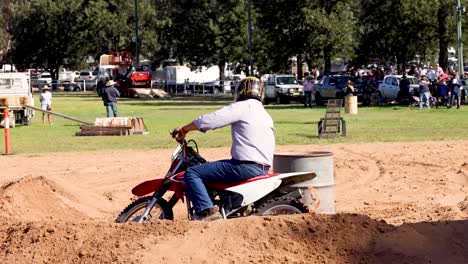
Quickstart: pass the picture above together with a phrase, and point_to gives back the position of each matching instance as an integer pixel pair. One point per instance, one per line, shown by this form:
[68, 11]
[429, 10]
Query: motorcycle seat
[225, 185]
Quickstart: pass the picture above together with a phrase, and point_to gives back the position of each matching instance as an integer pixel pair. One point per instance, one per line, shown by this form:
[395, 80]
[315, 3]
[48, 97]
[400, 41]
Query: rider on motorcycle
[253, 145]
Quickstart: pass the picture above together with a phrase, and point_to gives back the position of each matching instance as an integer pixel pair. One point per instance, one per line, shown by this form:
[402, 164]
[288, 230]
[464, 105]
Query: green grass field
[294, 124]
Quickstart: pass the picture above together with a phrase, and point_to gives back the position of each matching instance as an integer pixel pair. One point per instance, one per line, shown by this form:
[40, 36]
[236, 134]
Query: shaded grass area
[294, 124]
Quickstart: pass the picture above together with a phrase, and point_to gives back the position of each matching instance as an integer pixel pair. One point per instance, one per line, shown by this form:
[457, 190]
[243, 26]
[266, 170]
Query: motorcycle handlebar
[181, 141]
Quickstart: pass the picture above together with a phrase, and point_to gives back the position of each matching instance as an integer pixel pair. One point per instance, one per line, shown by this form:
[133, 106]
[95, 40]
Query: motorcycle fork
[190, 211]
[172, 202]
[155, 197]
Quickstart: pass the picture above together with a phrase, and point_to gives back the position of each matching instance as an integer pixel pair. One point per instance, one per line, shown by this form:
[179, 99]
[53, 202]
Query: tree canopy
[50, 34]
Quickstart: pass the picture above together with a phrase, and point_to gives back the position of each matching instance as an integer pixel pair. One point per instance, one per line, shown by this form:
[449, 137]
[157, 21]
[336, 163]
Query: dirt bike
[269, 194]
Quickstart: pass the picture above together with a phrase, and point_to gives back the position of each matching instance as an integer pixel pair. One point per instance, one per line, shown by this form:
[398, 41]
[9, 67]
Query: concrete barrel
[321, 197]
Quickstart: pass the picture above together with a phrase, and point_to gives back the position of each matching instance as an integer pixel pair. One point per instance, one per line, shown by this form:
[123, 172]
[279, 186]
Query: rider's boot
[210, 214]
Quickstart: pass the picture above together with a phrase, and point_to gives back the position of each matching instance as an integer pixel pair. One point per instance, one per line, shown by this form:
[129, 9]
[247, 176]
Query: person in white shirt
[308, 87]
[46, 103]
[440, 71]
[253, 145]
[432, 77]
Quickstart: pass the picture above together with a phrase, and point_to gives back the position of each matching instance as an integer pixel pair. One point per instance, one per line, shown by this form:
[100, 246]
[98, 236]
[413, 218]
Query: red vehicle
[141, 77]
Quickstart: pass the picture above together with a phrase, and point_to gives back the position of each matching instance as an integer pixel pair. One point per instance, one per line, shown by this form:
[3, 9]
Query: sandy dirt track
[396, 203]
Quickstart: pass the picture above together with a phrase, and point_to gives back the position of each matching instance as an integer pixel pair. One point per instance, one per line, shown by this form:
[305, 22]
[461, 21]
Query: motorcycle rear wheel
[160, 210]
[282, 206]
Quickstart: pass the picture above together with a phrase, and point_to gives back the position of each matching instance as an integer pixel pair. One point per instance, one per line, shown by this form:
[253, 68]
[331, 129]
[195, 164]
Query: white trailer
[15, 93]
[177, 75]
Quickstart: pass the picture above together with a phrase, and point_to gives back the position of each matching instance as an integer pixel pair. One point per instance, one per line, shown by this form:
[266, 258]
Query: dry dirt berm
[396, 203]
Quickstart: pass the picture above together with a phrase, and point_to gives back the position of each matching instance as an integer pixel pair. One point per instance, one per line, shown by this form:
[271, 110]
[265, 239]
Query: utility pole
[459, 40]
[249, 17]
[137, 52]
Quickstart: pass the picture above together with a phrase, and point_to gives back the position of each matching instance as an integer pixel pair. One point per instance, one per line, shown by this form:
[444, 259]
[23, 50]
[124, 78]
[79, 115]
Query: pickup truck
[283, 88]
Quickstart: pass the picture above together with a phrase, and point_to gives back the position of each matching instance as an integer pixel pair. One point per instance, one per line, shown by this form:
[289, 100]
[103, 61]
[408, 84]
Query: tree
[229, 27]
[310, 30]
[44, 33]
[445, 29]
[110, 26]
[202, 33]
[399, 29]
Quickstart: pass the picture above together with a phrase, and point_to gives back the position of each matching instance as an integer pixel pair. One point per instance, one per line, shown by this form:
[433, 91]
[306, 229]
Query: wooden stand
[332, 124]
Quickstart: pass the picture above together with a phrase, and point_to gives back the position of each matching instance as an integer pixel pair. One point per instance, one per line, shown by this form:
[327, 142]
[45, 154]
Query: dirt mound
[78, 242]
[342, 238]
[36, 198]
[397, 203]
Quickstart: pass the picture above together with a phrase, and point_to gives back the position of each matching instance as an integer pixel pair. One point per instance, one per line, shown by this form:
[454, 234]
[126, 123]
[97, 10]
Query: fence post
[6, 126]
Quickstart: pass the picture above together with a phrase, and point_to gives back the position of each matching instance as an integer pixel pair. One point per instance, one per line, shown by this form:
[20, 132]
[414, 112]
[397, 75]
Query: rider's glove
[178, 133]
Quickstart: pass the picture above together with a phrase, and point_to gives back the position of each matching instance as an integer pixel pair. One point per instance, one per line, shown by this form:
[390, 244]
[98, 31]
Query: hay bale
[143, 93]
[158, 93]
[112, 121]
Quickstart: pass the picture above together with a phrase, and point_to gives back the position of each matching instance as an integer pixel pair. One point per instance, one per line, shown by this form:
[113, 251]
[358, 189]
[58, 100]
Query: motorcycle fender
[151, 186]
[255, 190]
[298, 179]
[146, 187]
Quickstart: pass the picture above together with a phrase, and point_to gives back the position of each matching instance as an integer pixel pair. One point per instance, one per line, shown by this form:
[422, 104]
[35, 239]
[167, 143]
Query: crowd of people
[436, 88]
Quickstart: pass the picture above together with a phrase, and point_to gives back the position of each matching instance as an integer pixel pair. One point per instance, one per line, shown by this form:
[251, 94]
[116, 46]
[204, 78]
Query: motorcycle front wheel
[133, 212]
[282, 206]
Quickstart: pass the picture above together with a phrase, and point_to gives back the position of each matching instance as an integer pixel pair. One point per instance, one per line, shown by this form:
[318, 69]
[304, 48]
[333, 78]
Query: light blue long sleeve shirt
[252, 130]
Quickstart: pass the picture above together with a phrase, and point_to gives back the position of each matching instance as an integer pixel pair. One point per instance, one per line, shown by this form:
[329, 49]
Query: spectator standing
[366, 91]
[46, 103]
[315, 74]
[424, 92]
[308, 89]
[417, 72]
[349, 89]
[432, 77]
[412, 70]
[404, 89]
[442, 90]
[456, 91]
[440, 71]
[109, 97]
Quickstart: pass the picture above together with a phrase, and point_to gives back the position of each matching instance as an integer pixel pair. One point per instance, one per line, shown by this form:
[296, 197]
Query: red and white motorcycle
[269, 194]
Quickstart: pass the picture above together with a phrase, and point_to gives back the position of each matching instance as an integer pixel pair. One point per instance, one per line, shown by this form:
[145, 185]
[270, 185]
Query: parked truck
[15, 93]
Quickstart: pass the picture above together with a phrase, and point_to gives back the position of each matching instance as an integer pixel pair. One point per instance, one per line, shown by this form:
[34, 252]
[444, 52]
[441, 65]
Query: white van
[15, 92]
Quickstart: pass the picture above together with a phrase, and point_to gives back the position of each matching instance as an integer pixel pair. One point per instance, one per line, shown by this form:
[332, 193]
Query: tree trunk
[308, 60]
[300, 73]
[442, 16]
[401, 59]
[222, 66]
[327, 58]
[327, 50]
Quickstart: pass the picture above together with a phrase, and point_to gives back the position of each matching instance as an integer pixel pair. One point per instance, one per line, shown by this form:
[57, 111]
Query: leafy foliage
[303, 28]
[51, 34]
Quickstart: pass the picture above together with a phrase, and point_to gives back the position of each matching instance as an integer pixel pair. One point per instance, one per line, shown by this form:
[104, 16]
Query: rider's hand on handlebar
[178, 133]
